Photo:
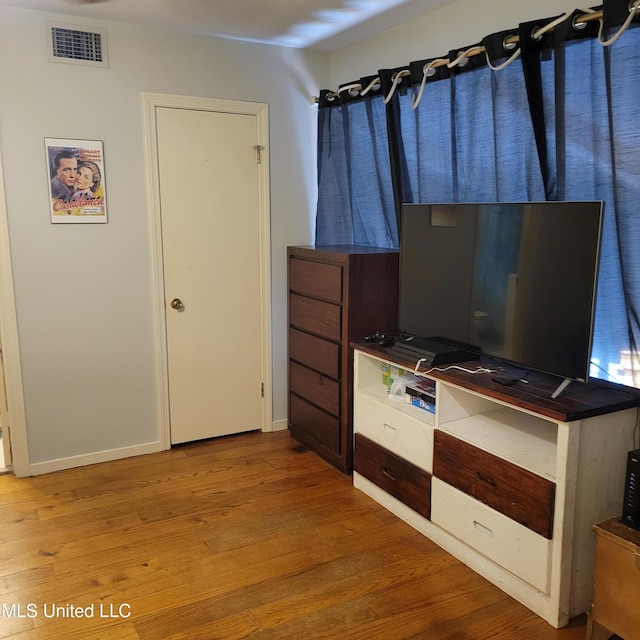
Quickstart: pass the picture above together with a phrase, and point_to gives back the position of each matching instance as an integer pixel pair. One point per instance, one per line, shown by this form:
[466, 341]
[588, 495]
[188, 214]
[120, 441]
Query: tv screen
[512, 280]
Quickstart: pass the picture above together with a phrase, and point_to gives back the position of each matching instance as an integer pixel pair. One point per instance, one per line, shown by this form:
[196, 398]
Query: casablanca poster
[77, 189]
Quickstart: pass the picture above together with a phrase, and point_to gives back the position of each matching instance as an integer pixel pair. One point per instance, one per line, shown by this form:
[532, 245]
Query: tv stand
[506, 479]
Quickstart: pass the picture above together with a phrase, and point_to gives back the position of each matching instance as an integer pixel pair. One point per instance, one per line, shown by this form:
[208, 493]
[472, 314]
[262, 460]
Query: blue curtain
[355, 194]
[470, 138]
[584, 102]
[558, 122]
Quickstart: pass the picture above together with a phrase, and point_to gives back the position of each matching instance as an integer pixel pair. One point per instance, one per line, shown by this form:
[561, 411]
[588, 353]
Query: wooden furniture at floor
[336, 294]
[616, 588]
[507, 479]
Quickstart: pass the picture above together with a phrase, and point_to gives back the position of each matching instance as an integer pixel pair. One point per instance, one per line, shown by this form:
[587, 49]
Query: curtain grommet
[353, 90]
[578, 25]
[509, 45]
[429, 70]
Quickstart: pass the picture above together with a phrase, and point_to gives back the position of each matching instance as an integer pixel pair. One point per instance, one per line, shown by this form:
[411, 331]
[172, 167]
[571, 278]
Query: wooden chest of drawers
[337, 294]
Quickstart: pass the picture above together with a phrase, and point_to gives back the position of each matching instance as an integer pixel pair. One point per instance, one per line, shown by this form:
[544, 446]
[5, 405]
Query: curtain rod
[479, 50]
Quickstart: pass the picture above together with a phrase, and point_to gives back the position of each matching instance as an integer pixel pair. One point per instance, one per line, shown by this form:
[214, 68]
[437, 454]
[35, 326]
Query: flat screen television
[515, 281]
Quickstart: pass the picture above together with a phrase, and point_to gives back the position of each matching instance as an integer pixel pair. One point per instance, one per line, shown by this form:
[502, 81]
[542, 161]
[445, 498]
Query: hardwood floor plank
[250, 536]
[285, 597]
[247, 567]
[503, 622]
[25, 579]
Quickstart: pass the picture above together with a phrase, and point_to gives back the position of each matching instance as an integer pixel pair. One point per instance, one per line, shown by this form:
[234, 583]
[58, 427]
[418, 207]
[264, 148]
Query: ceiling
[325, 25]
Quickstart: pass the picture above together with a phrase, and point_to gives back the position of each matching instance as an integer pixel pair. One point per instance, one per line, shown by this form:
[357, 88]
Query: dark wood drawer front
[307, 420]
[315, 316]
[316, 279]
[315, 387]
[393, 474]
[316, 353]
[519, 494]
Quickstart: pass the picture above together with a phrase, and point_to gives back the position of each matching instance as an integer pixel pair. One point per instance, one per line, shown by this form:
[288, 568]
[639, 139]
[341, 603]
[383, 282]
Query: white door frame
[11, 347]
[151, 102]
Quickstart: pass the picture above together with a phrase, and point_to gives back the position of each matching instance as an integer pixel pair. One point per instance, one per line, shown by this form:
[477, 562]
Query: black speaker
[631, 506]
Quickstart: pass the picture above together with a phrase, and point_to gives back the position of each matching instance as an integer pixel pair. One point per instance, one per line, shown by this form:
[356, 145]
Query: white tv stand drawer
[515, 548]
[387, 424]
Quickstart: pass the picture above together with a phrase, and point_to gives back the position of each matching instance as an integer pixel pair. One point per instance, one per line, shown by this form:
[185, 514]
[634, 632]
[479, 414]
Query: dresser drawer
[510, 545]
[404, 435]
[315, 353]
[307, 420]
[516, 492]
[315, 387]
[315, 316]
[316, 279]
[396, 476]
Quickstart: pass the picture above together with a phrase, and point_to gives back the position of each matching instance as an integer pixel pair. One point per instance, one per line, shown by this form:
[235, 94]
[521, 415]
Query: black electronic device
[631, 505]
[430, 352]
[382, 339]
[515, 281]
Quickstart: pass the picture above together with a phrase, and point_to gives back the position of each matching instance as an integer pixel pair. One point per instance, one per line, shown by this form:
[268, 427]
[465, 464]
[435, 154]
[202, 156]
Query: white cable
[633, 7]
[452, 366]
[514, 56]
[455, 366]
[356, 86]
[417, 365]
[458, 60]
[371, 85]
[538, 33]
[425, 74]
[397, 79]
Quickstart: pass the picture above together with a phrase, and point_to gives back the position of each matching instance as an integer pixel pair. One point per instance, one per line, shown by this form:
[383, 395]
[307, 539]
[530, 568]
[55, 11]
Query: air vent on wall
[73, 45]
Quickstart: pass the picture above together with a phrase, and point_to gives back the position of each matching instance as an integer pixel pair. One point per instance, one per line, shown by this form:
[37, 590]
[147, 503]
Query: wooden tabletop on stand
[578, 401]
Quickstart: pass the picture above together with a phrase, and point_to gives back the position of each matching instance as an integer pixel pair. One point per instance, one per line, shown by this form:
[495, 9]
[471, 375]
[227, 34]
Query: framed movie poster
[77, 190]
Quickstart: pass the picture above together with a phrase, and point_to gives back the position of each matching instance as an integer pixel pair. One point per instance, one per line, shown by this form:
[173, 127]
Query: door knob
[176, 303]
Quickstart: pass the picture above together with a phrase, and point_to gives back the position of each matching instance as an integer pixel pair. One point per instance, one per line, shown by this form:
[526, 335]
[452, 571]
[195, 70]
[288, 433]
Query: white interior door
[209, 202]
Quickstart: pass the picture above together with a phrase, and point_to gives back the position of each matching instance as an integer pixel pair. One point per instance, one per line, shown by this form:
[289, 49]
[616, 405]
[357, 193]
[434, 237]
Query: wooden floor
[244, 537]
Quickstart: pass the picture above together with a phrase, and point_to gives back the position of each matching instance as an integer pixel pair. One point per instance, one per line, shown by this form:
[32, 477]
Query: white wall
[453, 26]
[83, 292]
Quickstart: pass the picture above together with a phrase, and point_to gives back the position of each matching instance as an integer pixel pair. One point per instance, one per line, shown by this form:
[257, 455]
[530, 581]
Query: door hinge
[259, 149]
[262, 389]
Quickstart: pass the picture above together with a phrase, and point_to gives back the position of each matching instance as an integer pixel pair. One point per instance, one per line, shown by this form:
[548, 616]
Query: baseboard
[279, 425]
[60, 464]
[72, 462]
